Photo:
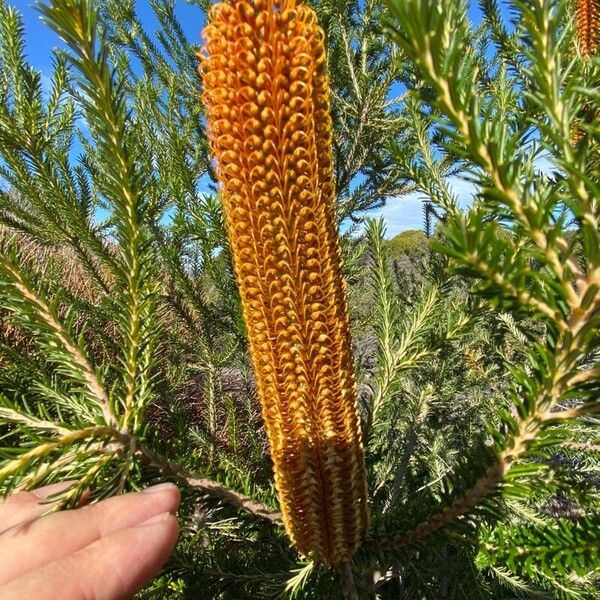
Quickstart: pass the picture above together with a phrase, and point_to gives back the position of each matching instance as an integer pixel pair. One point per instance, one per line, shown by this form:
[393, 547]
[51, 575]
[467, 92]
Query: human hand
[105, 551]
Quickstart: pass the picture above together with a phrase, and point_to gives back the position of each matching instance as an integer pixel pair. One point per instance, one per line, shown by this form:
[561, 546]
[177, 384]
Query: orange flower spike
[267, 99]
[588, 25]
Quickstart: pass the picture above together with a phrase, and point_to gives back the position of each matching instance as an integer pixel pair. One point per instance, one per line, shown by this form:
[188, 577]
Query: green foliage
[513, 242]
[566, 546]
[123, 355]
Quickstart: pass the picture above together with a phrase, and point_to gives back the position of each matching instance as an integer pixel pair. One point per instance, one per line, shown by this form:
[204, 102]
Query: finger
[112, 568]
[26, 506]
[33, 544]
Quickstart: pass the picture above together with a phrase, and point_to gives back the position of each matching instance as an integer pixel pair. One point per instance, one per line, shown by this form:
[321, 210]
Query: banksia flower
[588, 37]
[588, 25]
[267, 99]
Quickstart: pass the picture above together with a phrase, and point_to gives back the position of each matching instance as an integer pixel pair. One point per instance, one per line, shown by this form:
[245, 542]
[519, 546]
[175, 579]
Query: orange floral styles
[588, 25]
[588, 40]
[267, 100]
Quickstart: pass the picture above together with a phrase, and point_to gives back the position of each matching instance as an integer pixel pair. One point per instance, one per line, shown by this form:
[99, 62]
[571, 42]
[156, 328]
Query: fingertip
[160, 487]
[160, 518]
[153, 542]
[116, 566]
[165, 489]
[165, 525]
[165, 496]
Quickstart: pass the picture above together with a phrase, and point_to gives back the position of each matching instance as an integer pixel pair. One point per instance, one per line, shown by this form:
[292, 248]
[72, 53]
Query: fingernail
[155, 519]
[161, 487]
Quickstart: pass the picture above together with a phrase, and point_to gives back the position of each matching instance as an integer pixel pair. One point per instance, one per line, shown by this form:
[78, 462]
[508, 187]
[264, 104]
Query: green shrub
[479, 379]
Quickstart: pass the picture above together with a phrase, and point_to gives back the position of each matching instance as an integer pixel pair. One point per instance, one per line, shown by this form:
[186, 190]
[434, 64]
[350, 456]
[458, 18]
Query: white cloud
[406, 212]
[400, 214]
[463, 189]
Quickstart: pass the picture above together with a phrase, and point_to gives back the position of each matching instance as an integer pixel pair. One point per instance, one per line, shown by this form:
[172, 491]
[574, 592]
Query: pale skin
[105, 551]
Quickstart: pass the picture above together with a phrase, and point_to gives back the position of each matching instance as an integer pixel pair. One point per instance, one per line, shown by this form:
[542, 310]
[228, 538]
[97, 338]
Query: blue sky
[40, 40]
[400, 213]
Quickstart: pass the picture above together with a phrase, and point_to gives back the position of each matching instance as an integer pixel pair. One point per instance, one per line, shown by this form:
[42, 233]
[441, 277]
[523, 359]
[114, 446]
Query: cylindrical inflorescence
[588, 25]
[267, 99]
[588, 39]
